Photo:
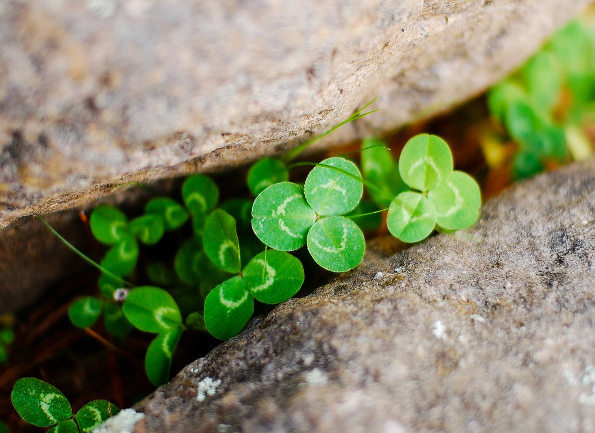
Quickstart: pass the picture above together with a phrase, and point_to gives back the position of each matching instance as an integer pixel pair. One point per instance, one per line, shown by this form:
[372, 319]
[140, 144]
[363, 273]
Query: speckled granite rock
[490, 329]
[109, 91]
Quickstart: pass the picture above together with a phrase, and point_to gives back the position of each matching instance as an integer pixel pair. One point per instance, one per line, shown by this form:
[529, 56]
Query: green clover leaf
[173, 213]
[281, 217]
[121, 258]
[457, 201]
[336, 243]
[94, 413]
[159, 355]
[148, 228]
[228, 307]
[411, 217]
[39, 403]
[333, 192]
[273, 276]
[84, 312]
[108, 224]
[114, 320]
[264, 173]
[221, 242]
[200, 194]
[67, 426]
[425, 161]
[152, 309]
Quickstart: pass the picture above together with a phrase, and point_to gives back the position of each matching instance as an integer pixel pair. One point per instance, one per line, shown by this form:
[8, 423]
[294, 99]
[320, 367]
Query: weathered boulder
[489, 329]
[108, 91]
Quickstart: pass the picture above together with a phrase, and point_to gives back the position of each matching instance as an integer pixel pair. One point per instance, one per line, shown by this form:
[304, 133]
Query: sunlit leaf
[108, 224]
[336, 243]
[94, 413]
[411, 217]
[220, 241]
[67, 426]
[543, 80]
[200, 194]
[173, 213]
[266, 172]
[457, 201]
[84, 312]
[39, 403]
[281, 217]
[228, 308]
[152, 309]
[333, 192]
[425, 161]
[273, 276]
[159, 355]
[501, 96]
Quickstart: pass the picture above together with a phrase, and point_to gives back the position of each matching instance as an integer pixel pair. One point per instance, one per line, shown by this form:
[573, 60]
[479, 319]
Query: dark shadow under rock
[489, 329]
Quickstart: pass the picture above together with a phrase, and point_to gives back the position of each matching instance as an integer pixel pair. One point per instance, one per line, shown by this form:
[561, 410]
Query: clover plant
[6, 339]
[548, 104]
[43, 405]
[238, 251]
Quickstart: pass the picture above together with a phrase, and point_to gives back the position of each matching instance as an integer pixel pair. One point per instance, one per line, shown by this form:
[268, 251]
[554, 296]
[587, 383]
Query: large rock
[490, 329]
[101, 92]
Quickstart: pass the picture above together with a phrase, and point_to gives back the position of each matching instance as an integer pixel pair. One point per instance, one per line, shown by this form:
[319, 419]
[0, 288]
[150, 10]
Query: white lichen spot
[207, 386]
[570, 378]
[102, 8]
[477, 318]
[123, 422]
[378, 275]
[439, 330]
[316, 377]
[194, 370]
[398, 269]
[508, 285]
[224, 428]
[308, 359]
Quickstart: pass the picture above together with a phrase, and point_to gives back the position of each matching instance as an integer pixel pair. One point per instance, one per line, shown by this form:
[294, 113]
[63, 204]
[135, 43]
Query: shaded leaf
[200, 194]
[264, 173]
[273, 276]
[84, 312]
[160, 273]
[173, 213]
[68, 426]
[159, 355]
[39, 403]
[148, 228]
[114, 320]
[152, 309]
[228, 308]
[108, 224]
[121, 258]
[196, 321]
[220, 241]
[240, 209]
[94, 413]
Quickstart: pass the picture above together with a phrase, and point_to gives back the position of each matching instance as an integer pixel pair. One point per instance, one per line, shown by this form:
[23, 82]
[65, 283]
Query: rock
[106, 91]
[490, 329]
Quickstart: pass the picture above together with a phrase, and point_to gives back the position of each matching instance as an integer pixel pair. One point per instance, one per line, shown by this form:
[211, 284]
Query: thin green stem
[361, 150]
[366, 214]
[294, 153]
[81, 254]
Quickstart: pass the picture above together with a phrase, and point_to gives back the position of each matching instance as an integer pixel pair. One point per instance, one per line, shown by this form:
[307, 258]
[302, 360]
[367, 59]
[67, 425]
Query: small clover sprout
[379, 168]
[121, 258]
[114, 320]
[148, 228]
[159, 356]
[84, 312]
[264, 173]
[425, 161]
[221, 242]
[331, 192]
[336, 243]
[273, 276]
[173, 213]
[281, 216]
[108, 224]
[457, 201]
[228, 308]
[6, 339]
[43, 405]
[200, 194]
[411, 217]
[152, 309]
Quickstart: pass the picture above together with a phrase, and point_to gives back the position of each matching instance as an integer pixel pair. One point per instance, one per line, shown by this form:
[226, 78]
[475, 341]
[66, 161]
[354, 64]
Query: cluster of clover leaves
[547, 106]
[239, 250]
[43, 405]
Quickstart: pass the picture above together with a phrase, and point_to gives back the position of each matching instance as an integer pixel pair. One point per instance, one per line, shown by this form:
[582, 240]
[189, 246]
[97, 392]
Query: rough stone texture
[490, 329]
[100, 91]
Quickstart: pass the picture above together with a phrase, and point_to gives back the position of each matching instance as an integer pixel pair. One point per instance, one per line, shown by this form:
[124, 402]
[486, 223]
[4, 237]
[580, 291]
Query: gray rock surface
[487, 330]
[96, 92]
